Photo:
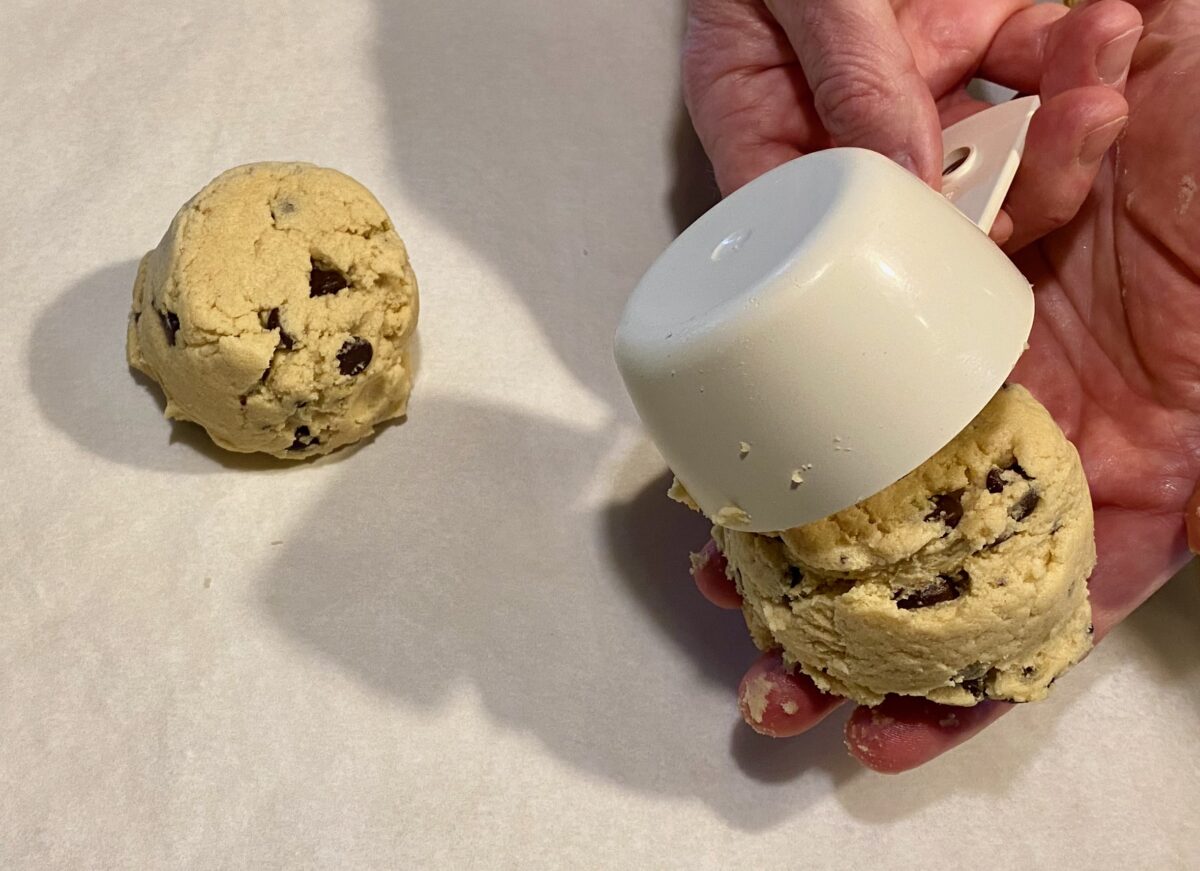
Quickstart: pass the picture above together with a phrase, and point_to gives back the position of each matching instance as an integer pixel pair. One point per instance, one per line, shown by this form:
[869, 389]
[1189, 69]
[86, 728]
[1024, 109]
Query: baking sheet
[472, 642]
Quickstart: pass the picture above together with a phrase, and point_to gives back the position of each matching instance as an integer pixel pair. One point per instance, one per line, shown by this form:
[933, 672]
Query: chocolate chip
[303, 439]
[947, 507]
[242, 400]
[285, 341]
[1016, 467]
[170, 322]
[974, 686]
[973, 671]
[323, 281]
[944, 588]
[995, 477]
[1025, 506]
[1001, 538]
[1028, 671]
[355, 356]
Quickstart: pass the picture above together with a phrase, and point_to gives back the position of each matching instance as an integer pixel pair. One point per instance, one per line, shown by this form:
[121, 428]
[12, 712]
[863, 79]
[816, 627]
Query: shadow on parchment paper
[84, 387]
[562, 638]
[695, 190]
[553, 167]
[647, 537]
[552, 643]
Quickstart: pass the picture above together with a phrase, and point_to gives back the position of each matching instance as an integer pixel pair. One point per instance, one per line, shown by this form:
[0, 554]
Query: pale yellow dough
[277, 311]
[965, 580]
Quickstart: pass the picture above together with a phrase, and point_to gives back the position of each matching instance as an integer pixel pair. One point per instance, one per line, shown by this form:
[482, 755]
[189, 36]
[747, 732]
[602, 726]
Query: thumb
[865, 83]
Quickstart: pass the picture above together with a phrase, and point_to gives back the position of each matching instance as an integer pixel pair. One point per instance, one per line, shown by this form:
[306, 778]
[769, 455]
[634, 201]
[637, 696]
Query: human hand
[1115, 356]
[768, 80]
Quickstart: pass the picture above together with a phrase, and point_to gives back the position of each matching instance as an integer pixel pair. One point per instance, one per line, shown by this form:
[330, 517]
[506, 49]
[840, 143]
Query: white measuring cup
[828, 327]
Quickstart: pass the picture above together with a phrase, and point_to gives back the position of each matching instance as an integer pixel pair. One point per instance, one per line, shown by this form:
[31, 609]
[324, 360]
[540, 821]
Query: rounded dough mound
[276, 312]
[964, 580]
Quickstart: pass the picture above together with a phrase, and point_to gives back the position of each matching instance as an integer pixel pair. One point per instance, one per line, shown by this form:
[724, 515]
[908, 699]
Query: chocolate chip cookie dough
[965, 580]
[277, 310]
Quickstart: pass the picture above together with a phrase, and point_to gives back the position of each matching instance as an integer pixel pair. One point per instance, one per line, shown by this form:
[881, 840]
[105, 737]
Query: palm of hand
[1115, 349]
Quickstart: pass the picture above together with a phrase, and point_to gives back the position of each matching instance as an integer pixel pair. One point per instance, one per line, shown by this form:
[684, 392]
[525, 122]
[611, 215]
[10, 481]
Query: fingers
[708, 571]
[1068, 138]
[747, 98]
[904, 732]
[1078, 62]
[1047, 49]
[1091, 46]
[780, 704]
[1017, 53]
[740, 157]
[865, 85]
[1002, 228]
[773, 700]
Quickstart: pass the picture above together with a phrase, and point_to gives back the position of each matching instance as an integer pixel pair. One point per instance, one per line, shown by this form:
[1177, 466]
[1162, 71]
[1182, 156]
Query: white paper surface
[472, 643]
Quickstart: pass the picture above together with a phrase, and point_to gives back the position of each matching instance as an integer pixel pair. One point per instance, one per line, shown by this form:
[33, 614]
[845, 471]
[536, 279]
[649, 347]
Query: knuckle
[851, 96]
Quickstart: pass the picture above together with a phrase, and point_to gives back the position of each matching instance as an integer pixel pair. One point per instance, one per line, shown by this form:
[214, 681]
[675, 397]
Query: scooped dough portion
[277, 311]
[965, 580]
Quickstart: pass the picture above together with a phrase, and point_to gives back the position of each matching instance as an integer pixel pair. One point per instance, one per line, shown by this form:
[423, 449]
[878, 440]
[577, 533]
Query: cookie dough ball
[965, 580]
[277, 312]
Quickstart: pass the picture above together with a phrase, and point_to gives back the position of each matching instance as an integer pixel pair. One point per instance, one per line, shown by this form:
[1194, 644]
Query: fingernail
[1112, 61]
[1099, 140]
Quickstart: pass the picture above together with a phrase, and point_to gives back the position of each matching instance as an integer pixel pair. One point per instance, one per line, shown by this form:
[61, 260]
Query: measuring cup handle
[982, 154]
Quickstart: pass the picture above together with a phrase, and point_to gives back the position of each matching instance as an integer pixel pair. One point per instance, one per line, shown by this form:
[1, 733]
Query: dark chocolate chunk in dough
[1016, 467]
[303, 439]
[285, 341]
[995, 477]
[1025, 506]
[974, 686]
[947, 507]
[323, 281]
[943, 588]
[355, 356]
[170, 322]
